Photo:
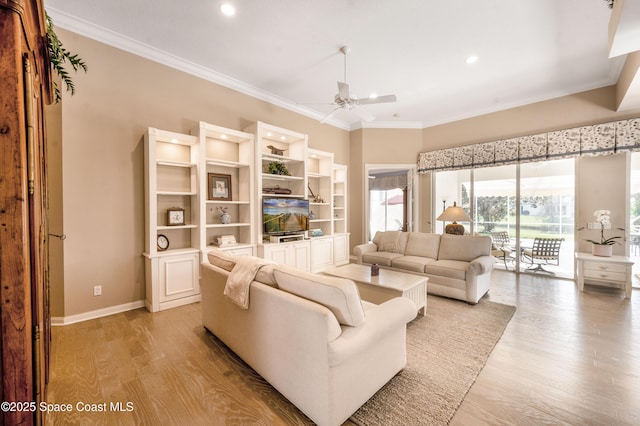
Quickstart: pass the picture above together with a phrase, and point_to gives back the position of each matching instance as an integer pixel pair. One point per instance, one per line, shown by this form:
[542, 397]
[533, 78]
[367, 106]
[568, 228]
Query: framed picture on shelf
[175, 216]
[219, 187]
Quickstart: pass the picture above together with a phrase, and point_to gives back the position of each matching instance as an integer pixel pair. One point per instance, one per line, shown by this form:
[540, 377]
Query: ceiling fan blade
[377, 100]
[363, 113]
[343, 90]
[331, 114]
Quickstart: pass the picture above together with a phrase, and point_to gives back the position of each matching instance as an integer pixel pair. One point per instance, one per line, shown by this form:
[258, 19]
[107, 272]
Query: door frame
[412, 193]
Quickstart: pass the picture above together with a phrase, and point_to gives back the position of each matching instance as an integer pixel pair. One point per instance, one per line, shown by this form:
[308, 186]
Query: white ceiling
[287, 51]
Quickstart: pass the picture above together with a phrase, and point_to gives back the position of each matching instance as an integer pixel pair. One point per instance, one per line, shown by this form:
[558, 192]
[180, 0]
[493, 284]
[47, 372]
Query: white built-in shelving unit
[171, 164]
[319, 175]
[339, 213]
[227, 155]
[182, 173]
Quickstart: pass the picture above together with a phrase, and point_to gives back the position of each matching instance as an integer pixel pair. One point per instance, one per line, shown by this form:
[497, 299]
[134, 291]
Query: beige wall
[594, 106]
[601, 183]
[100, 164]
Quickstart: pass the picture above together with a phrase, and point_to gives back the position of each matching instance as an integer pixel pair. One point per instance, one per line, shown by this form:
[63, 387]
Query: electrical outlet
[97, 290]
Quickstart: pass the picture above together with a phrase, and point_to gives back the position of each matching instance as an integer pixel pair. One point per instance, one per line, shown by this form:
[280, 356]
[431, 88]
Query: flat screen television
[281, 216]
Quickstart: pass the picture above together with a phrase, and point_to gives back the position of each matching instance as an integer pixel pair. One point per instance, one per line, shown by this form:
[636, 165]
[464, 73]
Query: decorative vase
[225, 218]
[602, 250]
[375, 270]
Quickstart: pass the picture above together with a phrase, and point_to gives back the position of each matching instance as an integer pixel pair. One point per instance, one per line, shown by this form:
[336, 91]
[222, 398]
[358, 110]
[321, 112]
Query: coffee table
[387, 285]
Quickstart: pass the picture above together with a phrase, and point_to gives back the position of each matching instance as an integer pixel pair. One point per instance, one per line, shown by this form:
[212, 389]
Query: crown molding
[111, 38]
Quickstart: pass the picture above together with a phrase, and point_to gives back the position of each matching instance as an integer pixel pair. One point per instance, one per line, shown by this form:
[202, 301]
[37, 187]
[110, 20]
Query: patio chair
[545, 251]
[501, 247]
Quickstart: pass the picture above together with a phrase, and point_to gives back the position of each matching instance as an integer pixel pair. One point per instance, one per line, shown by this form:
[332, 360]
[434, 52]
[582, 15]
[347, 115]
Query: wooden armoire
[25, 88]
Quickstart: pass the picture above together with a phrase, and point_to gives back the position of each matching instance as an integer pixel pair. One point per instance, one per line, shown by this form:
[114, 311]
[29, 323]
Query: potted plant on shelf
[604, 247]
[278, 168]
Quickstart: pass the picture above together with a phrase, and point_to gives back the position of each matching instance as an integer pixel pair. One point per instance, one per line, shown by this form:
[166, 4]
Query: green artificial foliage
[59, 56]
[278, 168]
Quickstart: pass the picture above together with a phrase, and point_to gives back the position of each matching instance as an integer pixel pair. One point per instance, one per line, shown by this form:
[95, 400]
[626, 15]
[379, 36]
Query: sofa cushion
[455, 269]
[339, 295]
[464, 247]
[221, 259]
[387, 241]
[383, 258]
[411, 263]
[224, 260]
[423, 244]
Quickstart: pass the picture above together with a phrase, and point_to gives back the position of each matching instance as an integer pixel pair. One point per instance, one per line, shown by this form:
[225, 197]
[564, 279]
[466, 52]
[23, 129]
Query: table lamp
[453, 214]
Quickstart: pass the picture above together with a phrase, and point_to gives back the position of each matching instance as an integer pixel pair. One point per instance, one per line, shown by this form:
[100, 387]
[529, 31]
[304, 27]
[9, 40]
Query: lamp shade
[453, 214]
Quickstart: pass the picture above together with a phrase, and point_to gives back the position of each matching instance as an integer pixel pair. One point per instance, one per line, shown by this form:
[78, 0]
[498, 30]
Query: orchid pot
[602, 250]
[604, 247]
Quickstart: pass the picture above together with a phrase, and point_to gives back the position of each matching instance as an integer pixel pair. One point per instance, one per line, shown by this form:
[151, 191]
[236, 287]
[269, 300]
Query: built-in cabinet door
[178, 276]
[301, 255]
[321, 253]
[341, 249]
[277, 253]
[294, 254]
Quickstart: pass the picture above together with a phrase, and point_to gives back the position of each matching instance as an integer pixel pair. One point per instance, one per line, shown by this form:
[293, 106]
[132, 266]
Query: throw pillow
[388, 241]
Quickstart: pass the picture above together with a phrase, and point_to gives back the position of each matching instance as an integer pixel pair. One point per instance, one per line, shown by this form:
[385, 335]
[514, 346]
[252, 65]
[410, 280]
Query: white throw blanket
[240, 277]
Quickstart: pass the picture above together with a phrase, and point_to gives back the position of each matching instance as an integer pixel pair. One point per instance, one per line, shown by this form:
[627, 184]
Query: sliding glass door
[547, 207]
[527, 201]
[634, 217]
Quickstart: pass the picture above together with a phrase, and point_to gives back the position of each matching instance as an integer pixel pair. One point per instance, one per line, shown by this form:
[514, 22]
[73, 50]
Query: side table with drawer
[614, 269]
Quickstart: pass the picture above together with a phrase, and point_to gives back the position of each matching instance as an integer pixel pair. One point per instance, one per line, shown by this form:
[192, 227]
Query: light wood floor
[566, 358]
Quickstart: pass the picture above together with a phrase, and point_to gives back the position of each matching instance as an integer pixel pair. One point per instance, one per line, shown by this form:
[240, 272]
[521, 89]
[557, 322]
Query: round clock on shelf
[163, 242]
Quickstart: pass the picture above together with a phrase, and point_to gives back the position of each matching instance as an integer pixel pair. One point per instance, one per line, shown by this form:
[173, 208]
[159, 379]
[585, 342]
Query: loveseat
[458, 266]
[309, 336]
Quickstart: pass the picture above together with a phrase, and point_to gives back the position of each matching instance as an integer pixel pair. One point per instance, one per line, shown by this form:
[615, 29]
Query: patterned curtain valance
[597, 139]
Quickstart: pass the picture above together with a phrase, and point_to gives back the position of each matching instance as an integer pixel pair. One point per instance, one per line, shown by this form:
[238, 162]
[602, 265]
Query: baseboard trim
[99, 313]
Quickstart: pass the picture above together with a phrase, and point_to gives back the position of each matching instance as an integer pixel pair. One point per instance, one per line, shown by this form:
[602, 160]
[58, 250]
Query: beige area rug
[446, 351]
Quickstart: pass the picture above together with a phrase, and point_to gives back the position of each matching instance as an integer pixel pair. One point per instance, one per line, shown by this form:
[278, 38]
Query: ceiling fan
[345, 100]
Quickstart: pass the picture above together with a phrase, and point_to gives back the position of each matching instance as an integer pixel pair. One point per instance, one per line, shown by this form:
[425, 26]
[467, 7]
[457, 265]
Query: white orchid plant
[604, 218]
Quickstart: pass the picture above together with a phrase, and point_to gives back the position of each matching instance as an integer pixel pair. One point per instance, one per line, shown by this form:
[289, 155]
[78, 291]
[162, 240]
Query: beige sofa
[309, 336]
[458, 266]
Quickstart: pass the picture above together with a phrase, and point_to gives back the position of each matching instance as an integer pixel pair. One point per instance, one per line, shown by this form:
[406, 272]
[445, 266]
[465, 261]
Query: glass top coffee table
[387, 285]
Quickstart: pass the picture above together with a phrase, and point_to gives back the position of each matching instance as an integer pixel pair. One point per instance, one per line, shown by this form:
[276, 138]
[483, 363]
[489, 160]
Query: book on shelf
[225, 241]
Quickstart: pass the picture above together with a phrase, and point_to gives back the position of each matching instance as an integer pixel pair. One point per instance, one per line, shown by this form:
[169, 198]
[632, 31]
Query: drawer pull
[603, 267]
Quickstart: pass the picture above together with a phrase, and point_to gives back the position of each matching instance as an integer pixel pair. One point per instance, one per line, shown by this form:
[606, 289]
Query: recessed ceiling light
[227, 9]
[174, 140]
[472, 59]
[373, 96]
[283, 138]
[223, 136]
